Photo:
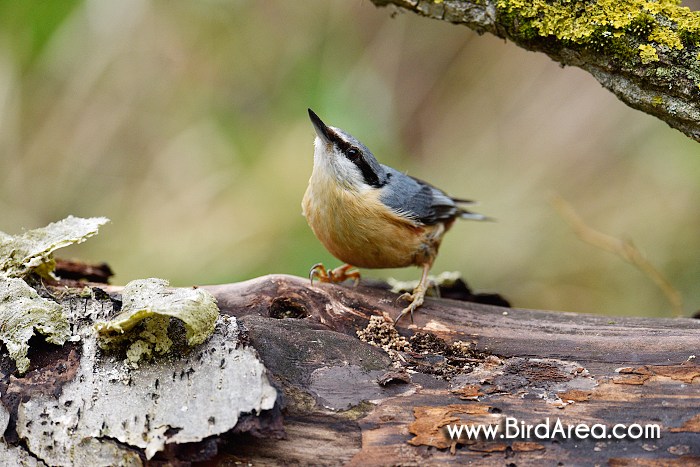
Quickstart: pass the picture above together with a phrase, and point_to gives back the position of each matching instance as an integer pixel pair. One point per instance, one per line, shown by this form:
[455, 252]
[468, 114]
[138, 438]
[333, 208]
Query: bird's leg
[415, 298]
[339, 274]
[345, 272]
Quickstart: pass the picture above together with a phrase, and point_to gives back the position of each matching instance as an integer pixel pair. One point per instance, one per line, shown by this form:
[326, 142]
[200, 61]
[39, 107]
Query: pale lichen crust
[22, 311]
[445, 279]
[109, 411]
[33, 250]
[147, 307]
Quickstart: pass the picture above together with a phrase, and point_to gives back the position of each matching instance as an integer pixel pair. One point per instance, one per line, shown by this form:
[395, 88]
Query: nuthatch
[369, 215]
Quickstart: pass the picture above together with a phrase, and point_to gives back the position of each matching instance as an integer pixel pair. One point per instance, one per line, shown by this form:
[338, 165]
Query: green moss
[657, 100]
[628, 28]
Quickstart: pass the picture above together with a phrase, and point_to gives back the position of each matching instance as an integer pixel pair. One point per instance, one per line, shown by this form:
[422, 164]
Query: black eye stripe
[367, 172]
[371, 178]
[343, 145]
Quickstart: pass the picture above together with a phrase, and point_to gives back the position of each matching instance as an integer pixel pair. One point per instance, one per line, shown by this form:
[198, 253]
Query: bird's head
[342, 157]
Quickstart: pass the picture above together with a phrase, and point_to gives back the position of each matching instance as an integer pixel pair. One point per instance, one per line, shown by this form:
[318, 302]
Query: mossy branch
[646, 52]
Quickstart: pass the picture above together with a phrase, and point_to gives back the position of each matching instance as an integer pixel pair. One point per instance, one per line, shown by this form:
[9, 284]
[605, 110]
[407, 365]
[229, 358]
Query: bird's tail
[474, 216]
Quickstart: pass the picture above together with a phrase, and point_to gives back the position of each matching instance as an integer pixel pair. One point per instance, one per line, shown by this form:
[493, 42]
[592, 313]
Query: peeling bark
[81, 406]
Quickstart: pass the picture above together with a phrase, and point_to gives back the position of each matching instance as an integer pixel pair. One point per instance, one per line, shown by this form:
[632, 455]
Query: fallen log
[352, 389]
[527, 365]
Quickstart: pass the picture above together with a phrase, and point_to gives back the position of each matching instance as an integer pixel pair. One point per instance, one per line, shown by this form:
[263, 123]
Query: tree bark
[352, 389]
[646, 53]
[527, 364]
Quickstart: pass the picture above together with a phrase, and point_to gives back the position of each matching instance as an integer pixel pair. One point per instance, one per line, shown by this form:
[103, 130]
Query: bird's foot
[415, 300]
[336, 275]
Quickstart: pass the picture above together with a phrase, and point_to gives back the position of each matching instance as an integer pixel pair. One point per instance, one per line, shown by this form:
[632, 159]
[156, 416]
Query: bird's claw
[320, 271]
[339, 274]
[415, 299]
[408, 310]
[404, 296]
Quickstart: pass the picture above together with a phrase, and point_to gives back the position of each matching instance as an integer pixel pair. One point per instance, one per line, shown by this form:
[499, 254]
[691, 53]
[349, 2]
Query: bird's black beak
[321, 128]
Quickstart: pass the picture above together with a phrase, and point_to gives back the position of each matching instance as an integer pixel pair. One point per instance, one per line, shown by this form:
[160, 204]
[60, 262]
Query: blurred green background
[185, 123]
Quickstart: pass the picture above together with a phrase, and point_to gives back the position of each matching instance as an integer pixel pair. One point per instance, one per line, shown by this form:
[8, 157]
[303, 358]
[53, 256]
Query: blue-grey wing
[417, 199]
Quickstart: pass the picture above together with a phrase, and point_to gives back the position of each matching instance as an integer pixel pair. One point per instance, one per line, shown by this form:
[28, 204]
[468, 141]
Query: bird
[369, 215]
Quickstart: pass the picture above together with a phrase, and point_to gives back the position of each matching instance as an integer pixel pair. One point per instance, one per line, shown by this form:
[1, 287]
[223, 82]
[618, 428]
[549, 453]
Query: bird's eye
[353, 154]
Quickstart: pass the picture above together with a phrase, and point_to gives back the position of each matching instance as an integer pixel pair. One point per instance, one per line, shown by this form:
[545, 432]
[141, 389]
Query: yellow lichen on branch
[648, 53]
[590, 23]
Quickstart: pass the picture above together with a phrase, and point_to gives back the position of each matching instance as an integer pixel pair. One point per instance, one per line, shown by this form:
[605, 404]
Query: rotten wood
[344, 401]
[534, 365]
[77, 270]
